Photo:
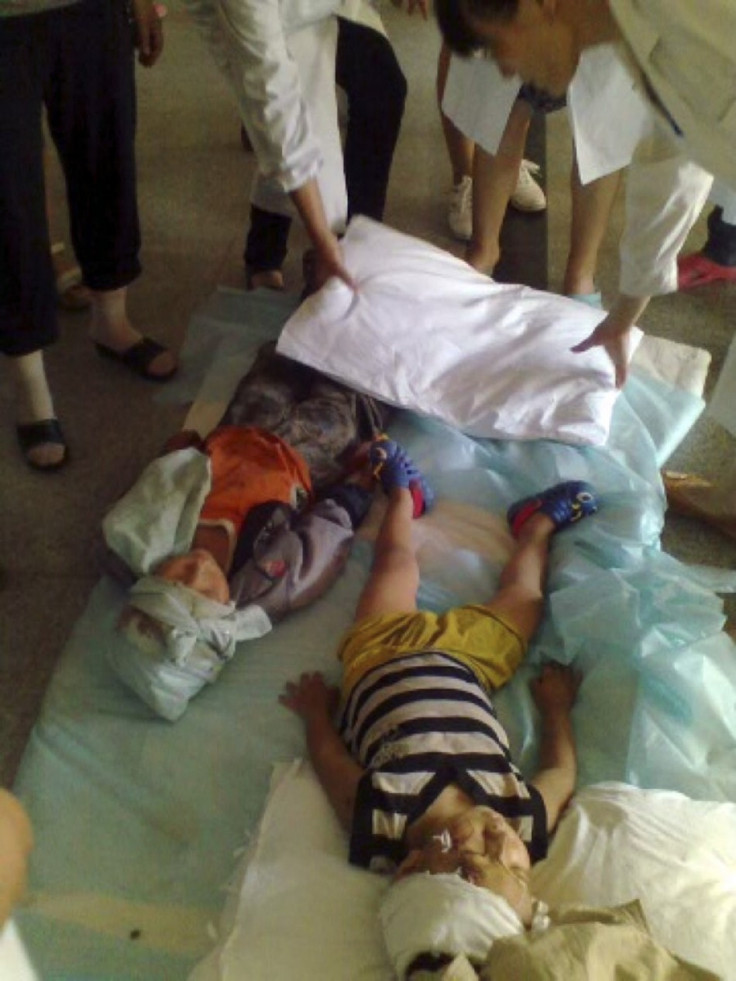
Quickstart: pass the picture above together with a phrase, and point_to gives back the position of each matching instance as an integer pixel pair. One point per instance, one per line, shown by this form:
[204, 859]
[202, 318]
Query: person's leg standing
[28, 318]
[27, 300]
[368, 72]
[90, 99]
[91, 107]
[266, 245]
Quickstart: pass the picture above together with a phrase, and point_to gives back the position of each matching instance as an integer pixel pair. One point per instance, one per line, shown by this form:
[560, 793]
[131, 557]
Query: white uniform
[279, 58]
[614, 126]
[687, 51]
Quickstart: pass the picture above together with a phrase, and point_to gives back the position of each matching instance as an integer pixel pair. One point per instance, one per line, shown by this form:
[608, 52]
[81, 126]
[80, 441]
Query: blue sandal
[564, 503]
[393, 466]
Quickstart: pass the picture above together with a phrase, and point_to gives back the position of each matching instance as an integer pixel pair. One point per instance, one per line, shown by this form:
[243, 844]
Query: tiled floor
[194, 180]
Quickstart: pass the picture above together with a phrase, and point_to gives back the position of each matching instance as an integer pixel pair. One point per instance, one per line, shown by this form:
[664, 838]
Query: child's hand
[310, 697]
[556, 688]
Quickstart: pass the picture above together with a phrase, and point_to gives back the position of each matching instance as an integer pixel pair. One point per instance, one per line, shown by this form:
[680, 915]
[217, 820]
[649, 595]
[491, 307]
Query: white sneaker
[460, 214]
[528, 195]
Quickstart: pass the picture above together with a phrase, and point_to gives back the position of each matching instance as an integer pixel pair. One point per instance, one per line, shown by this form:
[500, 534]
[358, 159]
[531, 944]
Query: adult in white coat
[279, 58]
[609, 119]
[681, 58]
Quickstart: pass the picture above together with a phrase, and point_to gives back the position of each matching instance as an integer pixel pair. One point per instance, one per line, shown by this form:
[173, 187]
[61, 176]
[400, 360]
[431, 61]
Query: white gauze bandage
[443, 914]
[194, 627]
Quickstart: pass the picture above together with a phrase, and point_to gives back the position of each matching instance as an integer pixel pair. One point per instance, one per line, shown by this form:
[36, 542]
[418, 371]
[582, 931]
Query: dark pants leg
[267, 240]
[27, 290]
[368, 72]
[79, 61]
[721, 244]
[90, 100]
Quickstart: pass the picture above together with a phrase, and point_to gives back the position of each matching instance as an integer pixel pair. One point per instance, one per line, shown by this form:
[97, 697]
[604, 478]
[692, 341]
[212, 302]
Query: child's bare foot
[71, 292]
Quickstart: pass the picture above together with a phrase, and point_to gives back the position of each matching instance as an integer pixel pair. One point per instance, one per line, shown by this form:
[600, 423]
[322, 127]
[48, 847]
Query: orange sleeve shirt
[249, 467]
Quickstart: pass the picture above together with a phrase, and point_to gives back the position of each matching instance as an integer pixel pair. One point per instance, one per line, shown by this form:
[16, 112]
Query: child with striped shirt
[418, 769]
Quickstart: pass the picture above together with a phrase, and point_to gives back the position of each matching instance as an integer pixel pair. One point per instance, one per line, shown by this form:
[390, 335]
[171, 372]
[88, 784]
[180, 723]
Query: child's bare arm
[315, 702]
[554, 692]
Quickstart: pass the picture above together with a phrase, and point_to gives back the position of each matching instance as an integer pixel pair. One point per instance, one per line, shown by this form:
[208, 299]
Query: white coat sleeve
[249, 43]
[665, 193]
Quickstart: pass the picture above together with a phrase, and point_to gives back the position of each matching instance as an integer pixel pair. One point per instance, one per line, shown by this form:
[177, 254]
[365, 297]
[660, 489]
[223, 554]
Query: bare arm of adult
[149, 32]
[614, 333]
[314, 702]
[665, 193]
[308, 202]
[16, 841]
[554, 693]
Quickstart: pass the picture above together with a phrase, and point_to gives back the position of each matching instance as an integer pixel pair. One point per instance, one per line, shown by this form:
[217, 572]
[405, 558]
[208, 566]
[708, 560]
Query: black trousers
[721, 243]
[368, 72]
[77, 62]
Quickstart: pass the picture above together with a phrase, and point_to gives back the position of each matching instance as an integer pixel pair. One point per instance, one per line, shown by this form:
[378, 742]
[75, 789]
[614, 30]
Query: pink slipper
[697, 269]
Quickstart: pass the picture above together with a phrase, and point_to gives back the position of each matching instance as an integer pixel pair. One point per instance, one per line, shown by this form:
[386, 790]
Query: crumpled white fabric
[443, 914]
[158, 515]
[200, 637]
[192, 619]
[426, 332]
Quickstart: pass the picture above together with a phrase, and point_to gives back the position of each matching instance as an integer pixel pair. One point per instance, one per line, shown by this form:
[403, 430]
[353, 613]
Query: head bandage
[193, 626]
[443, 914]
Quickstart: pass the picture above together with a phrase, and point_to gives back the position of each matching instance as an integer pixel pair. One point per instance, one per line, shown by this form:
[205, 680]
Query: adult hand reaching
[614, 334]
[615, 343]
[328, 260]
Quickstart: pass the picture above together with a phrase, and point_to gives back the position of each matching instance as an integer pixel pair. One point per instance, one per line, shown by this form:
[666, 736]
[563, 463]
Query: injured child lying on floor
[258, 521]
[419, 770]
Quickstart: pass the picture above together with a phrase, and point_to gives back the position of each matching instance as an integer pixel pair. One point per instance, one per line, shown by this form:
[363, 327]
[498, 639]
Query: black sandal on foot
[138, 358]
[34, 434]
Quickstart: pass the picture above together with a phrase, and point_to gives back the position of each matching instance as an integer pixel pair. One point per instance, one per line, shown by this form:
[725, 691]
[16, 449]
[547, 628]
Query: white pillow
[676, 855]
[298, 909]
[427, 332]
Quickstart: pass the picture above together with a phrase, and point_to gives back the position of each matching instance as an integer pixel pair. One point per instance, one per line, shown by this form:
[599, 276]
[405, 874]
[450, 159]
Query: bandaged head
[192, 630]
[443, 914]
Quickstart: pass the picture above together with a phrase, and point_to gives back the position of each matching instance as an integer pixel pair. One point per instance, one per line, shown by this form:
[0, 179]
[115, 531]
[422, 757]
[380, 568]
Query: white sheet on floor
[426, 332]
[297, 909]
[160, 808]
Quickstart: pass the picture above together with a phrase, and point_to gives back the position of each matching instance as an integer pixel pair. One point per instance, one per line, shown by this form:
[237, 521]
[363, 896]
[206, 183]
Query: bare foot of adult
[71, 292]
[268, 279]
[115, 338]
[37, 428]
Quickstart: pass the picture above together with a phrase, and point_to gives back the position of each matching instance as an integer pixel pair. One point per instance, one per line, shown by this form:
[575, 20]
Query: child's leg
[533, 520]
[520, 596]
[394, 579]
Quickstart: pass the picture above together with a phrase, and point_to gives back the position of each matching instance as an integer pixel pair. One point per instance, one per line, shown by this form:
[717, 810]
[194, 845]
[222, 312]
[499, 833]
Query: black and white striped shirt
[418, 724]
